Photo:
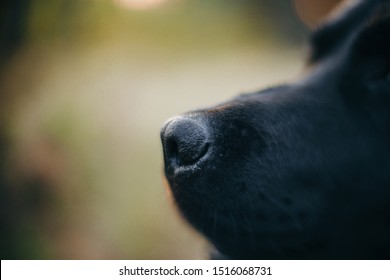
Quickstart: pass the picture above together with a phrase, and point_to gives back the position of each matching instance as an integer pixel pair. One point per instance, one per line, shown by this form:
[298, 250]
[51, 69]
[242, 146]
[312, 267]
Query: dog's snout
[184, 140]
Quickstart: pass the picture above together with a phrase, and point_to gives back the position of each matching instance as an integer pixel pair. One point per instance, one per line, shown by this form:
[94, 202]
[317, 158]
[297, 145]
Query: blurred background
[85, 86]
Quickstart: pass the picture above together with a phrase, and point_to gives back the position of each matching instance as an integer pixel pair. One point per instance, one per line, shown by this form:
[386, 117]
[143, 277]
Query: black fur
[299, 171]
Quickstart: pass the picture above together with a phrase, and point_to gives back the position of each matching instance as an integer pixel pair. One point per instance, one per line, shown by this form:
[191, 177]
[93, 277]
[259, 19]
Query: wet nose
[184, 140]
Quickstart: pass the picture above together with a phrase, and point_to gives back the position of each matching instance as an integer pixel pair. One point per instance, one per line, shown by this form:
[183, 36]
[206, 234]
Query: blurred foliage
[13, 21]
[179, 22]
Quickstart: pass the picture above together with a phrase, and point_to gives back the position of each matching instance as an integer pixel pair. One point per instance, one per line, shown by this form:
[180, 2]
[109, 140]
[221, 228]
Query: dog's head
[300, 170]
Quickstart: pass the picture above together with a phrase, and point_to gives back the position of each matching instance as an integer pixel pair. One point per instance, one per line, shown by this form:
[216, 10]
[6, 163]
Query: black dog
[300, 171]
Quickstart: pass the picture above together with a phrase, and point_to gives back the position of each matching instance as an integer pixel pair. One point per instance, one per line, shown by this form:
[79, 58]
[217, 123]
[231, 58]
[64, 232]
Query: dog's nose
[184, 140]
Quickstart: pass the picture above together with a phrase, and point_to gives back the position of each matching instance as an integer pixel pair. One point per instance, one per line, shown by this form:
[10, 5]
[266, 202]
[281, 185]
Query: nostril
[171, 148]
[184, 141]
